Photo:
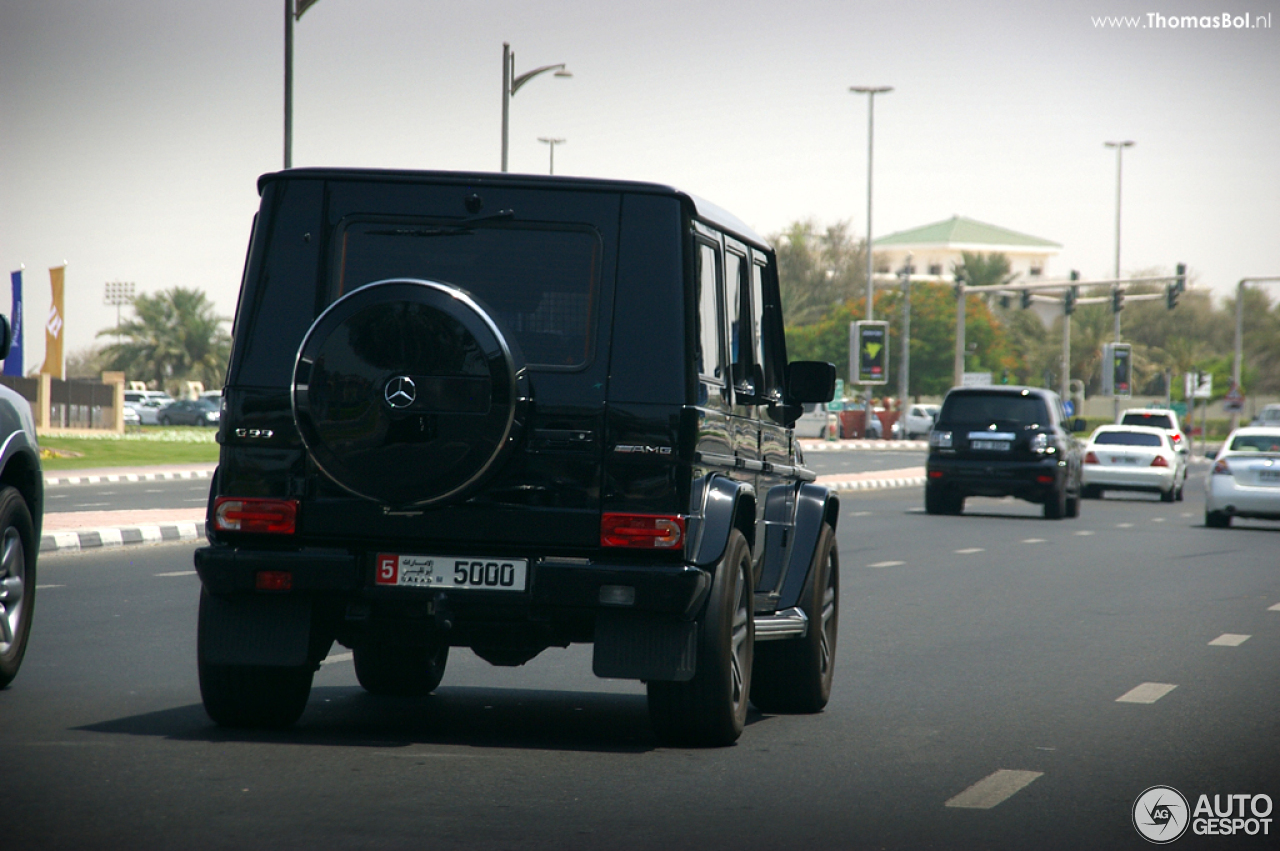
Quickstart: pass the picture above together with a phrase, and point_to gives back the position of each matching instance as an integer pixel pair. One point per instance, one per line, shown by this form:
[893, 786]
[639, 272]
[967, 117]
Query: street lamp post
[552, 142]
[904, 366]
[115, 294]
[870, 92]
[1119, 146]
[511, 84]
[293, 10]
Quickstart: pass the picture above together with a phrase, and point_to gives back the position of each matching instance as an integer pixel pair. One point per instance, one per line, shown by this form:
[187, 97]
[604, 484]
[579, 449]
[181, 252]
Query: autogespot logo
[1160, 814]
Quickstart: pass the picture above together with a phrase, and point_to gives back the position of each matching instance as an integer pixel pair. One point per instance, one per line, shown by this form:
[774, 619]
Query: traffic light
[1117, 300]
[1069, 300]
[1026, 299]
[1174, 289]
[959, 275]
[1123, 365]
[1005, 301]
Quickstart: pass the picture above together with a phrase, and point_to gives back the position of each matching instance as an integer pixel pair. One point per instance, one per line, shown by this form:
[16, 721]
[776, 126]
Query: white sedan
[1133, 458]
[1245, 479]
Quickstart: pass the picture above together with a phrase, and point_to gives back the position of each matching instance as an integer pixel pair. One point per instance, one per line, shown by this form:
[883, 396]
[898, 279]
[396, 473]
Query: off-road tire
[18, 555]
[400, 670]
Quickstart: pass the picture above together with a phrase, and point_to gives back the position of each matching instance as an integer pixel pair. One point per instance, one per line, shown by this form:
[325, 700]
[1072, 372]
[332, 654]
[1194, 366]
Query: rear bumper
[671, 589]
[1118, 478]
[1029, 480]
[1223, 494]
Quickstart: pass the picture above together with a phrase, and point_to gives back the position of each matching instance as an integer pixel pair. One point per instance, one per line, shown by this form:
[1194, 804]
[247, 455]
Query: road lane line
[887, 564]
[42, 587]
[1084, 533]
[1157, 519]
[178, 573]
[969, 551]
[1124, 525]
[334, 658]
[1229, 639]
[993, 789]
[1146, 693]
[1275, 608]
[1033, 540]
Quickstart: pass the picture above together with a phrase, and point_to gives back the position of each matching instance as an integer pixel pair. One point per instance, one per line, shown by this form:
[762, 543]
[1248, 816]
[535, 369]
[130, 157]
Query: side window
[710, 354]
[771, 369]
[742, 337]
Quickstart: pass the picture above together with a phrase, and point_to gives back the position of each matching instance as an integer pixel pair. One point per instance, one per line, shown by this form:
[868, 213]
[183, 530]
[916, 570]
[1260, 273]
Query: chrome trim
[788, 623]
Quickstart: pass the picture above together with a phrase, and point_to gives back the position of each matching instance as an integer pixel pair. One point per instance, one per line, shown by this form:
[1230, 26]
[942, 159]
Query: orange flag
[53, 327]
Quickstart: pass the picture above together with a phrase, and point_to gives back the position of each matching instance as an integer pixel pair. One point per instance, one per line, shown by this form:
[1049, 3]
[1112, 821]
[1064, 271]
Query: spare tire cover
[406, 392]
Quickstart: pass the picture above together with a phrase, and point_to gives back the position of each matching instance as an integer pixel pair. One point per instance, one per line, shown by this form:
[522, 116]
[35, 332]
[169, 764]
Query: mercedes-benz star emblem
[400, 392]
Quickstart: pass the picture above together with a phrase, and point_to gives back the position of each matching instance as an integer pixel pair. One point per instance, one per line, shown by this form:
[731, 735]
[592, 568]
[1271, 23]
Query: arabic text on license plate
[1269, 475]
[455, 572]
[996, 445]
[1123, 459]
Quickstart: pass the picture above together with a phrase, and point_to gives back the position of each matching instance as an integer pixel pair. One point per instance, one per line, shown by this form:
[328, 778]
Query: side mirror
[6, 337]
[810, 381]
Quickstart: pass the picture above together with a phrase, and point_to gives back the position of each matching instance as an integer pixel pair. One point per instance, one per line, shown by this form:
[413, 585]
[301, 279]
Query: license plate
[1269, 475]
[453, 572]
[1123, 459]
[992, 445]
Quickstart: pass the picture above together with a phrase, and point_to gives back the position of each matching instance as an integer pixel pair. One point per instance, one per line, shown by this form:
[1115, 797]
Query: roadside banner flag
[53, 327]
[13, 363]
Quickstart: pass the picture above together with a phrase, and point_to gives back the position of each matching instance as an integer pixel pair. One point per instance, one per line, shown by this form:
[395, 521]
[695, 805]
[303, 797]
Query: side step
[788, 623]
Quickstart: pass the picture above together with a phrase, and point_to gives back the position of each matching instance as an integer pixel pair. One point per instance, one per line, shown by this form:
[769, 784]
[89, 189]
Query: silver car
[1245, 479]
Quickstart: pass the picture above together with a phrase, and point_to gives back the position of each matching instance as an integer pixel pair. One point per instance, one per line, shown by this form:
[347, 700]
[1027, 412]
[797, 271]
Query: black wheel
[794, 675]
[1217, 519]
[935, 500]
[1055, 504]
[400, 670]
[710, 710]
[164, 421]
[18, 552]
[251, 695]
[1178, 493]
[1073, 506]
[954, 503]
[1169, 496]
[1091, 492]
[408, 393]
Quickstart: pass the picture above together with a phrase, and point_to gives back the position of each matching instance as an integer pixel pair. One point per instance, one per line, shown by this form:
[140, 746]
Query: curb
[84, 539]
[127, 477]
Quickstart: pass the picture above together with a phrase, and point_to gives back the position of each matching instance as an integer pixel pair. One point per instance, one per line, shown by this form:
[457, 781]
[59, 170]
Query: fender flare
[816, 506]
[720, 505]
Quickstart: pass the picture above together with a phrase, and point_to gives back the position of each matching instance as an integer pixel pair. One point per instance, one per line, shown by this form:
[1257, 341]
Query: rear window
[1152, 420]
[975, 408]
[1128, 438]
[1256, 443]
[541, 283]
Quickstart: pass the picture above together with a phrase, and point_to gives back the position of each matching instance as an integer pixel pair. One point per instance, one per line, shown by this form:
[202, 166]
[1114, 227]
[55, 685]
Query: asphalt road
[977, 704]
[116, 496]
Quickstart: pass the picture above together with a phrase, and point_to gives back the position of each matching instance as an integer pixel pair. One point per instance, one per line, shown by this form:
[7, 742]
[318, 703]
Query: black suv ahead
[511, 413]
[1004, 441]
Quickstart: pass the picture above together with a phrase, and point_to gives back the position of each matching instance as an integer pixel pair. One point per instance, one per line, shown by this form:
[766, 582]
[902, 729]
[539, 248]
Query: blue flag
[13, 362]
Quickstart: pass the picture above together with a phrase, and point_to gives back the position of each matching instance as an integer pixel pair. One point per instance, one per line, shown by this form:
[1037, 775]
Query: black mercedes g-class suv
[1004, 441]
[511, 413]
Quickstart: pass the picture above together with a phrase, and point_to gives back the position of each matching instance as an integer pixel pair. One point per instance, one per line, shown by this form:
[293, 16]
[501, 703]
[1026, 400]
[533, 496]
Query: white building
[937, 249]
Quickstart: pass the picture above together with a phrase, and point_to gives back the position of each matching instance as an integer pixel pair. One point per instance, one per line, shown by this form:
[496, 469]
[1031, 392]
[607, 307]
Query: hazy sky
[134, 130]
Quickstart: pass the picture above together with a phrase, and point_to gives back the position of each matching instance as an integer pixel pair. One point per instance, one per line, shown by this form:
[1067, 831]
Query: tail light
[272, 516]
[1090, 458]
[1159, 462]
[642, 531]
[1222, 468]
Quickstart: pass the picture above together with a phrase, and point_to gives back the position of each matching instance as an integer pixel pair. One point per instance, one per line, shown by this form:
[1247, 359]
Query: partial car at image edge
[1245, 478]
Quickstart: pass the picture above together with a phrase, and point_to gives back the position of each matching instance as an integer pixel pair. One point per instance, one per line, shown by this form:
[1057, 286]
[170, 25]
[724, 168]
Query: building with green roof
[936, 249]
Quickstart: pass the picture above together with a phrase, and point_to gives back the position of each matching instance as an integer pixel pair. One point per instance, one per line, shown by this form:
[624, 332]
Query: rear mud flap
[639, 646]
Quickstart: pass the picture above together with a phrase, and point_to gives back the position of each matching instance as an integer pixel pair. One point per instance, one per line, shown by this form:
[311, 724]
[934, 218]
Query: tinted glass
[976, 408]
[1152, 420]
[710, 359]
[540, 283]
[1256, 443]
[1128, 438]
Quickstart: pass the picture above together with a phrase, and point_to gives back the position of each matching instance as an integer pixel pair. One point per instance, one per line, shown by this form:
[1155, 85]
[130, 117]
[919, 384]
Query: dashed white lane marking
[1157, 519]
[1033, 540]
[335, 658]
[969, 551]
[993, 789]
[178, 573]
[1275, 608]
[1084, 533]
[1146, 693]
[1229, 639]
[42, 587]
[887, 564]
[1124, 525]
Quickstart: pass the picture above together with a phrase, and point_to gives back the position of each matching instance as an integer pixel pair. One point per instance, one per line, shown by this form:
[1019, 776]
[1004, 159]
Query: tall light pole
[1119, 146]
[511, 84]
[870, 92]
[115, 294]
[904, 365]
[552, 142]
[293, 10]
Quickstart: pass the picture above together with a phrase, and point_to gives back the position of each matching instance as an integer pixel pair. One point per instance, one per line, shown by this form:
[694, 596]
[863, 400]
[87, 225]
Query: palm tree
[174, 336]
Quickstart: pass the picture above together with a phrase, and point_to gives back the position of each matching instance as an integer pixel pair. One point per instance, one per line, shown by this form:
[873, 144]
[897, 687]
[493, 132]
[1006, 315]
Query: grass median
[149, 446]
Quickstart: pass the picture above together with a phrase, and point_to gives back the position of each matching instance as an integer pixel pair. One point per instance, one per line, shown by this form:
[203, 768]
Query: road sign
[872, 340]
